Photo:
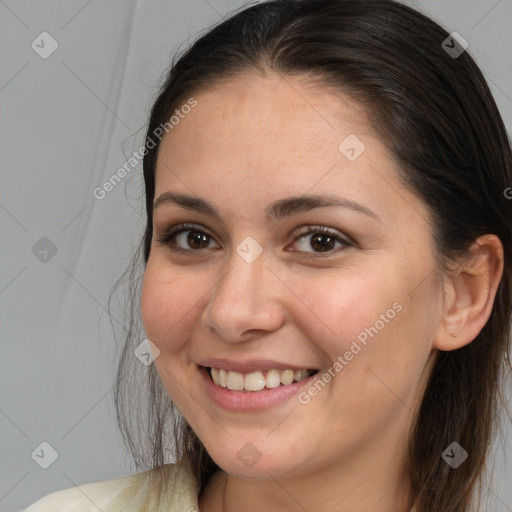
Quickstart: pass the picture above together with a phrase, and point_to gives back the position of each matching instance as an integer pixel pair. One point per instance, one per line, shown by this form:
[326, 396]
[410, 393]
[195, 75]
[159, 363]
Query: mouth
[254, 382]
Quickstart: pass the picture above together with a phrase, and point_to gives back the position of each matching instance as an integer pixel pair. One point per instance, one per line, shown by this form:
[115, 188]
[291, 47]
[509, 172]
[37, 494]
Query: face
[298, 249]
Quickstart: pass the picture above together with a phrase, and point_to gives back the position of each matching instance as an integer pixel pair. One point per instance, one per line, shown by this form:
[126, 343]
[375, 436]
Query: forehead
[252, 140]
[257, 107]
[267, 122]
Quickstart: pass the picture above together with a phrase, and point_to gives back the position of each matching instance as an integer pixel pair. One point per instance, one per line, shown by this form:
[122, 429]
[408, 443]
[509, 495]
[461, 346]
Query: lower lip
[250, 400]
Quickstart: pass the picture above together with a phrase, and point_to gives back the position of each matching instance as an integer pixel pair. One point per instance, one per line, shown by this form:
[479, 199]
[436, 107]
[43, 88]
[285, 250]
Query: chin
[250, 462]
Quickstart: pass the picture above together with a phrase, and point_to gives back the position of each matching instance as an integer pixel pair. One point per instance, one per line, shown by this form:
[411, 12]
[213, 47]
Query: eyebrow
[278, 210]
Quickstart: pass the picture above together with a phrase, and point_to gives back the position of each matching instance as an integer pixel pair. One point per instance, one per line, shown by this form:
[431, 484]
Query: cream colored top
[134, 493]
[142, 492]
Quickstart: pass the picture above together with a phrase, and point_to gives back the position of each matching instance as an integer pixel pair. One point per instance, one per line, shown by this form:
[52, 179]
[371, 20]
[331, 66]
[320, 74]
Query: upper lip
[250, 365]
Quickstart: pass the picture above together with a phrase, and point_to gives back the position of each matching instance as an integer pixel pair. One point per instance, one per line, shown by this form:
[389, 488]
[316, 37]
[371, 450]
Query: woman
[327, 270]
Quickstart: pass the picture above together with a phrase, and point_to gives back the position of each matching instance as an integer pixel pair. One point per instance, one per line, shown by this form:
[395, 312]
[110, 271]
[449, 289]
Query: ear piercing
[453, 334]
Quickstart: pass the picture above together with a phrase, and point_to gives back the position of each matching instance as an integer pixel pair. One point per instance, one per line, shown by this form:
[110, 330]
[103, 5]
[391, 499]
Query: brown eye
[323, 242]
[183, 238]
[197, 239]
[320, 239]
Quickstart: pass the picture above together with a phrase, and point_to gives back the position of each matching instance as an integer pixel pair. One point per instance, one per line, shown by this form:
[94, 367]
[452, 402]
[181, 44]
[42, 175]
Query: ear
[469, 294]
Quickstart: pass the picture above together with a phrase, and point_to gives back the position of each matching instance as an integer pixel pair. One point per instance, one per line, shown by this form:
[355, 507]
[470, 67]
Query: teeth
[223, 378]
[300, 375]
[256, 381]
[235, 381]
[287, 377]
[273, 379]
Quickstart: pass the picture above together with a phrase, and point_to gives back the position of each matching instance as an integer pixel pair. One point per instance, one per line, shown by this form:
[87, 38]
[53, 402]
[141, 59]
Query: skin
[250, 142]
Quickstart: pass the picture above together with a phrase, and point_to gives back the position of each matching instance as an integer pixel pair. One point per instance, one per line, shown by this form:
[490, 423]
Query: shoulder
[169, 488]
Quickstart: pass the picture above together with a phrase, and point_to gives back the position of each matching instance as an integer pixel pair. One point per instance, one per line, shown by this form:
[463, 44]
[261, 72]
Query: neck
[318, 492]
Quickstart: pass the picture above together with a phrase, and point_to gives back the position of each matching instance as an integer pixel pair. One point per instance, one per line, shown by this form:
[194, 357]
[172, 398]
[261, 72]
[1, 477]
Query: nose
[245, 303]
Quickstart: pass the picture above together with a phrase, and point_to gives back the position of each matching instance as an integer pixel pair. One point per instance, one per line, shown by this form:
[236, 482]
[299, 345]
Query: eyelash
[169, 235]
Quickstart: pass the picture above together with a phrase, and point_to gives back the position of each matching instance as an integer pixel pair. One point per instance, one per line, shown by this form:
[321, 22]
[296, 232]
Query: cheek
[348, 304]
[169, 302]
[374, 332]
[152, 304]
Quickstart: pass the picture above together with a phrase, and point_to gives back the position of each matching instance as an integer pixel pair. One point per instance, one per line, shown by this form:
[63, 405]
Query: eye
[186, 238]
[314, 240]
[321, 240]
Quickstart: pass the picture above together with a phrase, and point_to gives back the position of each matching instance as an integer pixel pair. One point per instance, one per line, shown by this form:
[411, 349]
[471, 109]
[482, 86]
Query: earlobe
[470, 293]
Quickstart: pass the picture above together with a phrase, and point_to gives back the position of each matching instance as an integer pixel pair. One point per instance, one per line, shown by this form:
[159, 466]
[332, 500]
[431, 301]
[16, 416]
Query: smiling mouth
[259, 380]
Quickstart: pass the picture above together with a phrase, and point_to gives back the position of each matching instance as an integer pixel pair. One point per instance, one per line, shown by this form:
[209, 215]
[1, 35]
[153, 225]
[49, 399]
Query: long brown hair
[437, 115]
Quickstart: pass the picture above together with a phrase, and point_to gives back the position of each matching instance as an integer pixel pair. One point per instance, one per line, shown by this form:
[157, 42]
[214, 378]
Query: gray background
[68, 122]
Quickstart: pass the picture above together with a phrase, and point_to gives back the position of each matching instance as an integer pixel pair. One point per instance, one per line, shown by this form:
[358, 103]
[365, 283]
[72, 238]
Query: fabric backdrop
[76, 81]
